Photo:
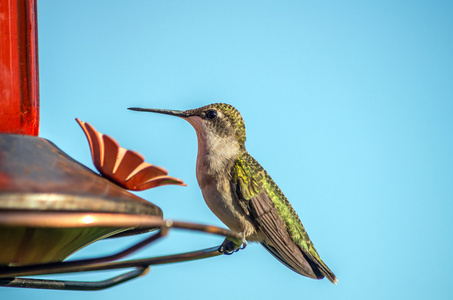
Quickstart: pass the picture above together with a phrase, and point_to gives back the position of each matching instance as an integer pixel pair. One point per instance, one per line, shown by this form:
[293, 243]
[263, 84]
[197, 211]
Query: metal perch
[8, 275]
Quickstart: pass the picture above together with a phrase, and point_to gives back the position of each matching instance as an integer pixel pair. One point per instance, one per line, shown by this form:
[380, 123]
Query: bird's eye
[211, 114]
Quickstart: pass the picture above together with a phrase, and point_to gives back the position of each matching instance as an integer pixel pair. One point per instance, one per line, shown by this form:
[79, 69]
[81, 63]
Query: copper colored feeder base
[52, 206]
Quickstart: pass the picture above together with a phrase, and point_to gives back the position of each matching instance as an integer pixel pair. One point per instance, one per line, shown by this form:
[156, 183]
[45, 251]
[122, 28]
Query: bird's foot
[230, 245]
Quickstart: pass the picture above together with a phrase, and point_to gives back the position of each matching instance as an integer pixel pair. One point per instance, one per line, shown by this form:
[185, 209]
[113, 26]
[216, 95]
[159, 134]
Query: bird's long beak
[177, 113]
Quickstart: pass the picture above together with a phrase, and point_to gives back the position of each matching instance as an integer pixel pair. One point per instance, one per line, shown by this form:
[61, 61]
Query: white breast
[214, 162]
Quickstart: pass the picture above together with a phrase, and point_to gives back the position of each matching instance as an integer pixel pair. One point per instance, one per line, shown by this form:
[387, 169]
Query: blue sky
[347, 105]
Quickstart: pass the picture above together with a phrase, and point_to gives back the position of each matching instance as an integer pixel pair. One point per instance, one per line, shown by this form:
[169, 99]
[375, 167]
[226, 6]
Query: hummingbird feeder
[51, 206]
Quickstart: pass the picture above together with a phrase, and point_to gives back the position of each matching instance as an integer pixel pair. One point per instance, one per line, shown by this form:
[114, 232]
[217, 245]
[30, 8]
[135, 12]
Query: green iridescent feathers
[252, 179]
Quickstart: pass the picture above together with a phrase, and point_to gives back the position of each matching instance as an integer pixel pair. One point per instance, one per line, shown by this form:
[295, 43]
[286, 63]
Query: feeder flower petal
[126, 168]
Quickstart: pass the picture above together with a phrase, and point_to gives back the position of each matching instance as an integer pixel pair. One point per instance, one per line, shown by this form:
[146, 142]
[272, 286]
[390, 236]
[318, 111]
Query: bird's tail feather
[322, 267]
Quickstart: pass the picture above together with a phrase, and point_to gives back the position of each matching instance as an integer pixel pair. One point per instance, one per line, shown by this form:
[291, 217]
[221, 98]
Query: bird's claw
[243, 245]
[229, 246]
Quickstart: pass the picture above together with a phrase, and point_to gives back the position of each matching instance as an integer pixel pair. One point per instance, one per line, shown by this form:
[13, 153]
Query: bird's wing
[257, 201]
[278, 241]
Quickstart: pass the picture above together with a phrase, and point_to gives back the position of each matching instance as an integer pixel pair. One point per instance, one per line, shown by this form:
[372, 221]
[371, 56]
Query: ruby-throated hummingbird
[241, 193]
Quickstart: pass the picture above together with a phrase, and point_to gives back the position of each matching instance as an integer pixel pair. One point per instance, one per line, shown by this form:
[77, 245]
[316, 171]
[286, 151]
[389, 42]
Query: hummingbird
[240, 192]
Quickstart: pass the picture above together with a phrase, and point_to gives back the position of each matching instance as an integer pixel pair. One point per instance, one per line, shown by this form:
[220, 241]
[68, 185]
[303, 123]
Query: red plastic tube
[19, 79]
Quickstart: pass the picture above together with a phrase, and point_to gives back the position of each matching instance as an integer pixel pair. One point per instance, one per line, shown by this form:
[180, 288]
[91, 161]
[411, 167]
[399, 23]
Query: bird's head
[218, 122]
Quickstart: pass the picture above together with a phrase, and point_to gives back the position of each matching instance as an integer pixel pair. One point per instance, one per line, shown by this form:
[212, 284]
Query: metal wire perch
[10, 276]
